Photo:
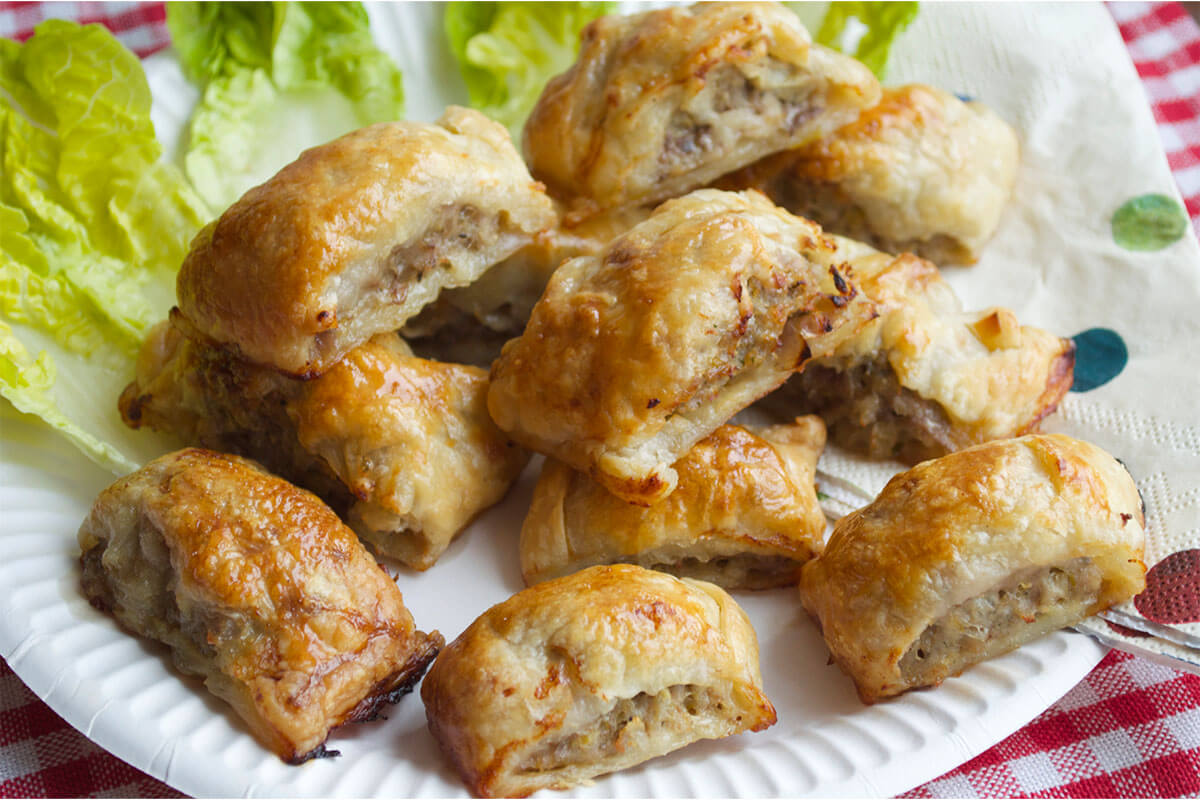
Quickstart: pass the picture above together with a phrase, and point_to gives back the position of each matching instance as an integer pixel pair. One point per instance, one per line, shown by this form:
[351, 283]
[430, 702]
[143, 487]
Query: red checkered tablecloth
[1130, 729]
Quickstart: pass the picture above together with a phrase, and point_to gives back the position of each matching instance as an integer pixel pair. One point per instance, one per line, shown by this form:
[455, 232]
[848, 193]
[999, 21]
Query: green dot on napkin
[1148, 222]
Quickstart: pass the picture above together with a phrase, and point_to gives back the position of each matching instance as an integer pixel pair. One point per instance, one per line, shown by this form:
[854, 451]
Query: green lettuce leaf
[277, 78]
[507, 51]
[93, 226]
[879, 23]
[30, 383]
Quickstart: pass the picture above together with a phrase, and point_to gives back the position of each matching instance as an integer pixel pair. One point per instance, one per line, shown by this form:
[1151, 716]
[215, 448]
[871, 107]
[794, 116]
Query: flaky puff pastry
[592, 673]
[664, 102]
[356, 236]
[258, 588]
[744, 514]
[925, 377]
[972, 555]
[633, 356]
[921, 171]
[470, 324]
[403, 447]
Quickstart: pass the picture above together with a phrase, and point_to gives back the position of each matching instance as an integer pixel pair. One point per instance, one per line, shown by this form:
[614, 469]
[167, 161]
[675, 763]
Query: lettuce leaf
[507, 51]
[870, 40]
[93, 226]
[277, 78]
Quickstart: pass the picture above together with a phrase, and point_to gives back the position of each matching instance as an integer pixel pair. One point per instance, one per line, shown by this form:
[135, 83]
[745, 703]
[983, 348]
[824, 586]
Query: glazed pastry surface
[744, 514]
[633, 356]
[257, 588]
[664, 102]
[356, 236]
[925, 377]
[592, 673]
[470, 324]
[971, 555]
[402, 447]
[921, 171]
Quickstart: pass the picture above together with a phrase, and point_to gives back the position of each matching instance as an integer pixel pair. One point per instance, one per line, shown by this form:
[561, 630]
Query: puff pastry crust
[925, 377]
[259, 589]
[470, 324]
[402, 447]
[356, 236]
[664, 102]
[632, 357]
[744, 514]
[592, 673]
[920, 172]
[972, 555]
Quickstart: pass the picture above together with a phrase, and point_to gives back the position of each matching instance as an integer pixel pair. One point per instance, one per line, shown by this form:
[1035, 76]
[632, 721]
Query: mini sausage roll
[972, 555]
[632, 357]
[925, 377]
[356, 236]
[664, 102]
[921, 172]
[593, 673]
[744, 515]
[257, 588]
[402, 447]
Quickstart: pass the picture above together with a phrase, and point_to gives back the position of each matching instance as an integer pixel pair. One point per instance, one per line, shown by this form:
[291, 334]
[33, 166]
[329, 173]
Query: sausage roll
[921, 172]
[257, 588]
[592, 673]
[972, 555]
[633, 356]
[664, 102]
[402, 447]
[356, 236]
[744, 515]
[925, 377]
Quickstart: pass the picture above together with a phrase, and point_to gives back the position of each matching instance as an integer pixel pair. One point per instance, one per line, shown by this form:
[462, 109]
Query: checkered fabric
[142, 27]
[1130, 729]
[42, 756]
[1164, 42]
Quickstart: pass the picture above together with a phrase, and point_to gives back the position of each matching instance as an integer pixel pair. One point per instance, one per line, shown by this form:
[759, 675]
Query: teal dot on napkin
[1148, 222]
[1100, 355]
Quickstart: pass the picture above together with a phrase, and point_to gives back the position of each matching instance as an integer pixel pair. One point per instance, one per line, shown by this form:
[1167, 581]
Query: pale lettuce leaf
[866, 30]
[507, 51]
[277, 78]
[93, 226]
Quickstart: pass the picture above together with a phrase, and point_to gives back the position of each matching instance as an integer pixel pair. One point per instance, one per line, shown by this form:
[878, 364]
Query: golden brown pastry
[470, 324]
[744, 514]
[259, 589]
[921, 172]
[664, 102]
[972, 555]
[402, 447]
[925, 377]
[632, 357]
[592, 673]
[356, 236]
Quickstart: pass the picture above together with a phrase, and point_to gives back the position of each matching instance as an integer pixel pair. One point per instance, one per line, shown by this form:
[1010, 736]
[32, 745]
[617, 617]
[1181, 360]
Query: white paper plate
[122, 693]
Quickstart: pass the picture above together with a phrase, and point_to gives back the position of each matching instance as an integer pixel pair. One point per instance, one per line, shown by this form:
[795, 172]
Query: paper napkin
[1093, 188]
